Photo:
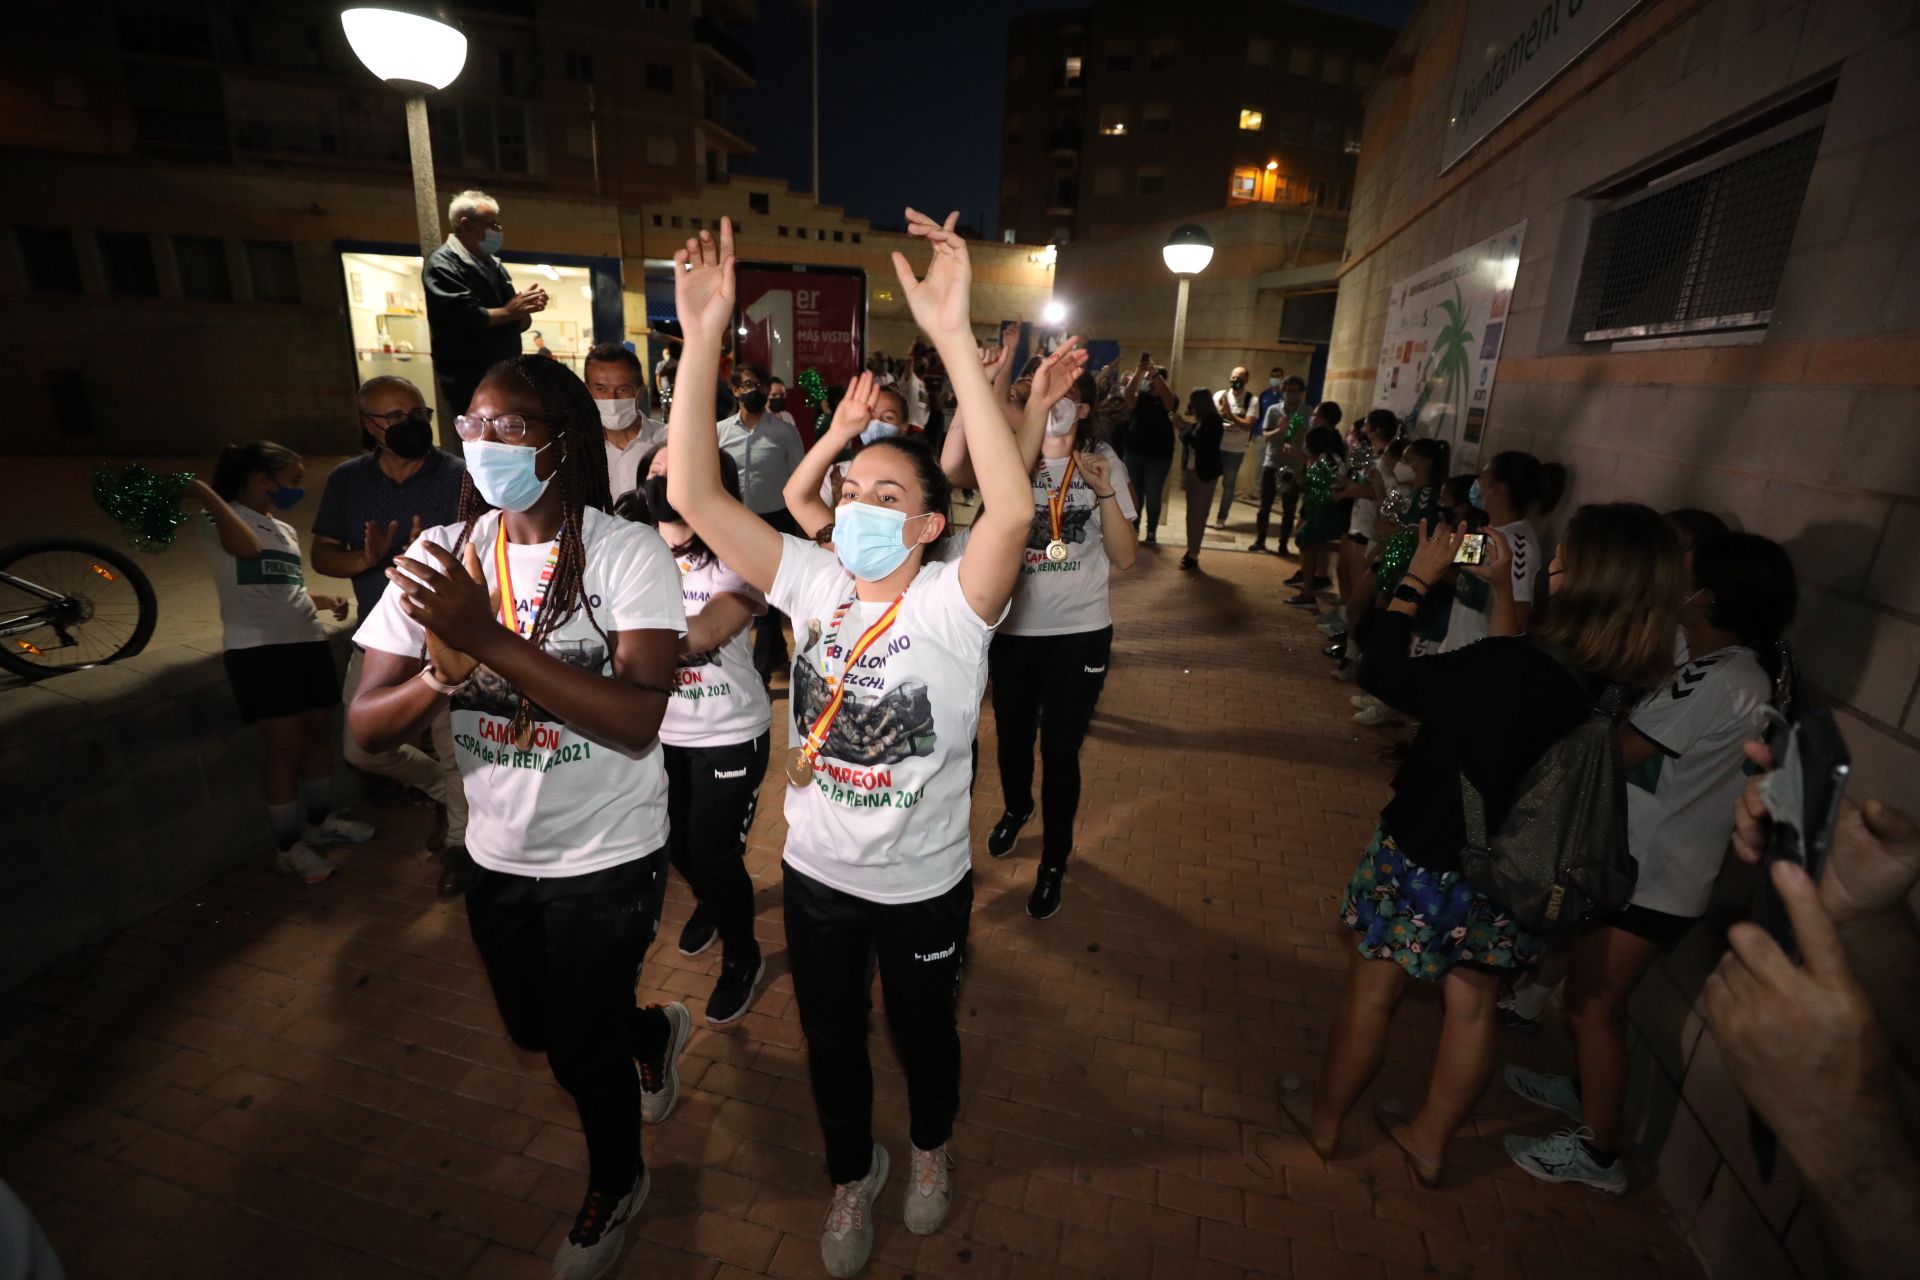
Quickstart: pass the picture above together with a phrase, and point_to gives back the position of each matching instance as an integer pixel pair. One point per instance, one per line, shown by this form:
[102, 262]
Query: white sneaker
[1556, 1093]
[929, 1190]
[847, 1240]
[1347, 672]
[1564, 1158]
[660, 1081]
[338, 830]
[302, 861]
[1378, 716]
[1360, 701]
[599, 1232]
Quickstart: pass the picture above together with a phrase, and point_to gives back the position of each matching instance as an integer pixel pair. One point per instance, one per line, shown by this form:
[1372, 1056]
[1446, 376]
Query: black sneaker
[733, 993]
[1321, 584]
[1338, 649]
[1005, 832]
[1294, 581]
[699, 933]
[1044, 902]
[1256, 545]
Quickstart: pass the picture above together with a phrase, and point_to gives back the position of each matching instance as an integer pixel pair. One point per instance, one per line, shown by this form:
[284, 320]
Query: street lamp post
[1187, 252]
[417, 49]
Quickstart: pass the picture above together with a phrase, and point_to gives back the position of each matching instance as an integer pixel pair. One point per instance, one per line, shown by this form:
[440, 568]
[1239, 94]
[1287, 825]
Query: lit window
[1245, 185]
[1251, 118]
[1070, 74]
[1113, 120]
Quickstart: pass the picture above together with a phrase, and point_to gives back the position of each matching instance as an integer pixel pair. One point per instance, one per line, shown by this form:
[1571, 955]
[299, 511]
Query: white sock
[317, 795]
[285, 820]
[1530, 997]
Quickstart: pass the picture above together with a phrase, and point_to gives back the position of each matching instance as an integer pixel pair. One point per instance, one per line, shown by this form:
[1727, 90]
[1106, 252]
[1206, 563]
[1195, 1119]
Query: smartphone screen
[1473, 550]
[1824, 765]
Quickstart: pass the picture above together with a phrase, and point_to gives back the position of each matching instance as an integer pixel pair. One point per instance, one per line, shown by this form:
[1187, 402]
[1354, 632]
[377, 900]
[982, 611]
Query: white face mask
[617, 415]
[1062, 416]
[1403, 473]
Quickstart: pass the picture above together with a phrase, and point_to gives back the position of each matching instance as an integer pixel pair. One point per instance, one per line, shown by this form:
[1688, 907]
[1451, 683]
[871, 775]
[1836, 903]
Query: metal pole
[426, 203]
[816, 100]
[1179, 340]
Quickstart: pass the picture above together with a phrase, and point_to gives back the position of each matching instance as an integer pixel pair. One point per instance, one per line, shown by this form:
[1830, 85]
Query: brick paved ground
[311, 1084]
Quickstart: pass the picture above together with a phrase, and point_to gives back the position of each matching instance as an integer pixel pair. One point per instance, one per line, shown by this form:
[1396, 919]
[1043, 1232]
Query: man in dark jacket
[474, 313]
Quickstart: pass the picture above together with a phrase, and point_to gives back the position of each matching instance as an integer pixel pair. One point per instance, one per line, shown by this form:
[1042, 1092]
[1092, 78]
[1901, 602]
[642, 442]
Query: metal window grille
[1701, 253]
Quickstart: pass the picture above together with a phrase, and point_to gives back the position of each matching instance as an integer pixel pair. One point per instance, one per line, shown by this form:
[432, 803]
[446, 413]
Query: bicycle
[67, 604]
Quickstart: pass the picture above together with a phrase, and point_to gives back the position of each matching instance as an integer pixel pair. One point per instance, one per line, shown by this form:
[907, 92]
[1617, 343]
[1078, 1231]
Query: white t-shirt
[623, 465]
[914, 389]
[1472, 599]
[262, 601]
[1234, 438]
[571, 804]
[1366, 512]
[886, 816]
[1054, 599]
[1680, 802]
[718, 699]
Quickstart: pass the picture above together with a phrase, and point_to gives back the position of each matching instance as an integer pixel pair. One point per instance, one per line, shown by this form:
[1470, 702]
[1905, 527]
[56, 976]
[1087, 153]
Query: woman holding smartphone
[890, 665]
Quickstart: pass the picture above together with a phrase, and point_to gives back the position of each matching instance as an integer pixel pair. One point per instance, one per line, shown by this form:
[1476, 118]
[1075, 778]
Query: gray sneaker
[1556, 1093]
[660, 1081]
[929, 1190]
[599, 1232]
[847, 1240]
[1564, 1158]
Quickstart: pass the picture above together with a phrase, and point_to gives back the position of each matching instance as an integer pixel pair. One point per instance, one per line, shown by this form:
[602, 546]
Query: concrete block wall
[1808, 431]
[126, 786]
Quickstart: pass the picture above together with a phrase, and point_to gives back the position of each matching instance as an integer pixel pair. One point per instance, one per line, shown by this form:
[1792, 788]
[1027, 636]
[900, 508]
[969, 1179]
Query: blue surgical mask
[879, 429]
[1474, 495]
[285, 497]
[504, 474]
[491, 241]
[870, 539]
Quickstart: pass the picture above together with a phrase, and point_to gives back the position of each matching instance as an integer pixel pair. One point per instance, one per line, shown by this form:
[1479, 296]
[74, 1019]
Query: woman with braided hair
[554, 627]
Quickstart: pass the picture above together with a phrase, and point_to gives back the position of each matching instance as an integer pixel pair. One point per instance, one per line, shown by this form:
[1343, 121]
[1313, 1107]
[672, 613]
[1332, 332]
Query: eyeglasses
[398, 416]
[746, 385]
[508, 428]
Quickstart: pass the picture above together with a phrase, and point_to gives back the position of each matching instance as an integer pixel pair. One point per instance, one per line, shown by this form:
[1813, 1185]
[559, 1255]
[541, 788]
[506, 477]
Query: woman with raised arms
[890, 663]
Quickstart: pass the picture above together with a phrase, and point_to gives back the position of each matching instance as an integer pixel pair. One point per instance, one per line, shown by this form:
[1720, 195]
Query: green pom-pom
[814, 386]
[1296, 423]
[143, 502]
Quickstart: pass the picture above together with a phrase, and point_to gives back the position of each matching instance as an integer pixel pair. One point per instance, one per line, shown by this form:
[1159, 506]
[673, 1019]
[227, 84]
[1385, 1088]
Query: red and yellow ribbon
[503, 575]
[823, 723]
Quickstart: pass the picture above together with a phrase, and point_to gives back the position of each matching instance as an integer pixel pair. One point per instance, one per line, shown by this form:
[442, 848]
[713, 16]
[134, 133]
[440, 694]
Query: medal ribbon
[503, 574]
[823, 723]
[1057, 498]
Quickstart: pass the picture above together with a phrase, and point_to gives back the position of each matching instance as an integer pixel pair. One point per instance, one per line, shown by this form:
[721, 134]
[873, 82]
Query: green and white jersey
[262, 601]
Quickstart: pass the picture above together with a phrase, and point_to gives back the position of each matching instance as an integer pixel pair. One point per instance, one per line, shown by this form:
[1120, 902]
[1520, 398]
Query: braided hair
[581, 477]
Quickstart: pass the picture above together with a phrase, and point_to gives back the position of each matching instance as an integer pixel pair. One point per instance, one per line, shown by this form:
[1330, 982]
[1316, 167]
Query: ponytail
[1532, 484]
[1438, 454]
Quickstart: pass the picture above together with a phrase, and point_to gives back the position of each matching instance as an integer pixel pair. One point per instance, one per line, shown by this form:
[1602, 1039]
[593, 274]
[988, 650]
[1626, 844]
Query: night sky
[910, 100]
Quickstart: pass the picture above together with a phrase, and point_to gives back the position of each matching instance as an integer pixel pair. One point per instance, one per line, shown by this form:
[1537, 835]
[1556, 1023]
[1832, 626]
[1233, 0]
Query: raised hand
[1097, 471]
[939, 299]
[703, 287]
[377, 540]
[857, 408]
[447, 597]
[1434, 555]
[1057, 372]
[1497, 568]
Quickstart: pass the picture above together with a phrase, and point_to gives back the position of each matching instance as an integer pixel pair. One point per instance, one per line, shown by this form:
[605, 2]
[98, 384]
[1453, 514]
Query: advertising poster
[802, 323]
[1441, 347]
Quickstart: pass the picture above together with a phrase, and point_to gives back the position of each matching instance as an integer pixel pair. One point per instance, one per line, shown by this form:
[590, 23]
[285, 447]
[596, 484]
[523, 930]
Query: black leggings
[833, 940]
[1052, 684]
[563, 955]
[711, 795]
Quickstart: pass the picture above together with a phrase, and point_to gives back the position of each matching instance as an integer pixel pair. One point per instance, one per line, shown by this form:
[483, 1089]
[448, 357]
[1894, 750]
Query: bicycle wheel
[66, 604]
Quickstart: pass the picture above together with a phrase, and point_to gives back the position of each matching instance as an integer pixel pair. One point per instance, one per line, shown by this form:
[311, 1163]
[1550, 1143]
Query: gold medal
[1056, 551]
[1057, 506]
[799, 769]
[523, 727]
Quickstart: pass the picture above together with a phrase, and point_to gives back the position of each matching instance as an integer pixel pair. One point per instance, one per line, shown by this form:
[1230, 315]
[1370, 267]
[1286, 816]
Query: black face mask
[777, 403]
[1239, 384]
[654, 490]
[753, 401]
[410, 439]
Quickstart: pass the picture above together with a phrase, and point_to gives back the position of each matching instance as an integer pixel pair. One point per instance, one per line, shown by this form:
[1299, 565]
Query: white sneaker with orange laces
[929, 1190]
[847, 1240]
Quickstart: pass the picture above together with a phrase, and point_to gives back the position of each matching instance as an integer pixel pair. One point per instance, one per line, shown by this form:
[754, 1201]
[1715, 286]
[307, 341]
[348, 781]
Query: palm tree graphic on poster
[1442, 401]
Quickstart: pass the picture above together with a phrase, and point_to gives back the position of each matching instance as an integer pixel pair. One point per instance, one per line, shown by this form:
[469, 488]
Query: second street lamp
[417, 49]
[1187, 252]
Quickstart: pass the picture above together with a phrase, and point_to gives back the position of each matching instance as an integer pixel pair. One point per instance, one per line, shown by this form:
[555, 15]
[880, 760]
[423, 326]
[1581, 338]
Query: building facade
[1129, 113]
[229, 261]
[1717, 305]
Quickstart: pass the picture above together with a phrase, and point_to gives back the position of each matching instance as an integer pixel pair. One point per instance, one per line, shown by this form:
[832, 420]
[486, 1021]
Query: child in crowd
[1323, 516]
[277, 656]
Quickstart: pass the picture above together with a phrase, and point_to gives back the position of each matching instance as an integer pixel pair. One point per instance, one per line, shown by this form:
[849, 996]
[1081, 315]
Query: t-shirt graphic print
[569, 803]
[718, 700]
[1062, 597]
[884, 816]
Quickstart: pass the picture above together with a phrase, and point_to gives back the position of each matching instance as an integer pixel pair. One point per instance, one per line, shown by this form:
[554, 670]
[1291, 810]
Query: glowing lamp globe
[1054, 314]
[1188, 250]
[413, 48]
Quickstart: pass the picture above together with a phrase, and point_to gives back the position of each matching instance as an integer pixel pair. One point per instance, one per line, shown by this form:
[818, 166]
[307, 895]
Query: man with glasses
[766, 449]
[373, 507]
[475, 315]
[615, 380]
